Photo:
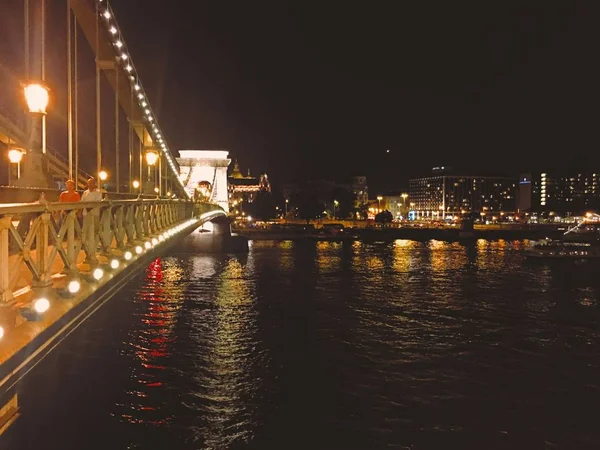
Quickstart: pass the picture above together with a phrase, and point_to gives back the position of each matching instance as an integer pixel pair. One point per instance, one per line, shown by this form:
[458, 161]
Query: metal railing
[39, 241]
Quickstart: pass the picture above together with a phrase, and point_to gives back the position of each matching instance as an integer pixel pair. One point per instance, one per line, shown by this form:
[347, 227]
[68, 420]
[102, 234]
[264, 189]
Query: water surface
[321, 345]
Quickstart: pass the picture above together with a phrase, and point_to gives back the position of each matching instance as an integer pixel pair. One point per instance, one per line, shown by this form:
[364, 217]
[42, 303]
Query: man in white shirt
[92, 194]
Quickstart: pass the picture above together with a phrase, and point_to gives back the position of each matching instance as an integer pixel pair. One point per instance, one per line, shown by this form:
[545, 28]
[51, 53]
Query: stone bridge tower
[206, 166]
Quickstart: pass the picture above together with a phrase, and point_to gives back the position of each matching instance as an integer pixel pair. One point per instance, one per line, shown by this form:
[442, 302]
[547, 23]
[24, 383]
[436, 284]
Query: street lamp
[14, 156]
[404, 197]
[335, 204]
[37, 98]
[287, 200]
[151, 158]
[379, 198]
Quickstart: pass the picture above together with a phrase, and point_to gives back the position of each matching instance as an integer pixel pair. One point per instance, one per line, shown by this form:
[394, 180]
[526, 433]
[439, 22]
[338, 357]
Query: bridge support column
[35, 173]
[5, 292]
[42, 242]
[89, 237]
[219, 239]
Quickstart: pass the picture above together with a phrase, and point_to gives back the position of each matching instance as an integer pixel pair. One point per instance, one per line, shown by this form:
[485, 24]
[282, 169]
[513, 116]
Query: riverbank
[416, 234]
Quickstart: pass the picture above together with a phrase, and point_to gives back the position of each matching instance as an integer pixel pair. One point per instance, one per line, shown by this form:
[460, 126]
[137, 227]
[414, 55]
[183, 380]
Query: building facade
[243, 189]
[443, 195]
[360, 190]
[561, 193]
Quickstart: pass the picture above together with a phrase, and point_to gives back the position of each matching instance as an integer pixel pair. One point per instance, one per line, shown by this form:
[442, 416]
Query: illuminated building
[360, 190]
[243, 189]
[563, 193]
[443, 195]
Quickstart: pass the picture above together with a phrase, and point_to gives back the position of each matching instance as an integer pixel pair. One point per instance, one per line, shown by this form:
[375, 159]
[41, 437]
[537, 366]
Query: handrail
[18, 208]
[71, 237]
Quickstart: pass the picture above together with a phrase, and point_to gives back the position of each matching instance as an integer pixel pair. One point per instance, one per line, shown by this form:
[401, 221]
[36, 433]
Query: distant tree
[308, 206]
[345, 200]
[263, 206]
[363, 210]
[384, 217]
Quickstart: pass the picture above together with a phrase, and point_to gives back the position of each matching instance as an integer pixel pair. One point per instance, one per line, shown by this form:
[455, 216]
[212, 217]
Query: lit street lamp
[37, 98]
[287, 200]
[14, 156]
[335, 204]
[151, 158]
[379, 198]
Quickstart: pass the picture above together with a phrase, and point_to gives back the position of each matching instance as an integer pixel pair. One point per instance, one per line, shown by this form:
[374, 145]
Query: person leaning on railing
[92, 194]
[68, 196]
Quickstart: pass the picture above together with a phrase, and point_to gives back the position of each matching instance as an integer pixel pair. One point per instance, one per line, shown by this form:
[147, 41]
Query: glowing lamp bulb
[103, 175]
[37, 98]
[148, 245]
[15, 155]
[151, 157]
[135, 184]
[139, 250]
[154, 241]
[161, 238]
[41, 305]
[114, 264]
[127, 256]
[73, 286]
[98, 274]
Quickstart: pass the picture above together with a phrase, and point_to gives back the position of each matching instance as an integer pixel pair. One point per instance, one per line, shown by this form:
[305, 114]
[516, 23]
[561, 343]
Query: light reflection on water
[352, 345]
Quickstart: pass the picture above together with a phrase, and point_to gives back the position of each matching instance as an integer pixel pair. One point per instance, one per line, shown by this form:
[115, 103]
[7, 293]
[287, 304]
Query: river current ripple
[324, 345]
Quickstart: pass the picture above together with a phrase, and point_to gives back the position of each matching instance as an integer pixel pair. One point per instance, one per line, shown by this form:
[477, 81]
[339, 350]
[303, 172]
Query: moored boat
[552, 249]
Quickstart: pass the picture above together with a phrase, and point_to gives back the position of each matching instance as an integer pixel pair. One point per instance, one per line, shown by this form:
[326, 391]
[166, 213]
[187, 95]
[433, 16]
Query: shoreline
[390, 234]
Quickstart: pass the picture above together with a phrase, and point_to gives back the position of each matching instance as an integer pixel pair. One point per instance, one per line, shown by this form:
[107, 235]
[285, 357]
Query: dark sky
[325, 88]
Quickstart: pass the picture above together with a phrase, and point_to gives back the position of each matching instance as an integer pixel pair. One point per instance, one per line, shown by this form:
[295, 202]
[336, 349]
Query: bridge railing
[41, 241]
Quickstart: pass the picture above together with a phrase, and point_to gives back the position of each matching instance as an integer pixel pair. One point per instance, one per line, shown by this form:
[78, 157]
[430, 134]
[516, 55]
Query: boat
[557, 249]
[585, 231]
[579, 242]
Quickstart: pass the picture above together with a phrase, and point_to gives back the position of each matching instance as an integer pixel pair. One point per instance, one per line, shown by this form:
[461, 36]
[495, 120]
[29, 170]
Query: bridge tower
[210, 166]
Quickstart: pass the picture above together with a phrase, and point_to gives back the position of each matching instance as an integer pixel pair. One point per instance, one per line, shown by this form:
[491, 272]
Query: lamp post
[14, 156]
[37, 98]
[335, 204]
[379, 198]
[287, 200]
[151, 159]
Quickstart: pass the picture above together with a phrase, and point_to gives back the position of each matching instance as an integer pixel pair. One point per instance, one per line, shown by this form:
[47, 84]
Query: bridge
[60, 262]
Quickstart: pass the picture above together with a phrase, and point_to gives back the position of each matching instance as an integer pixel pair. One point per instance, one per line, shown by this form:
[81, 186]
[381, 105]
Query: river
[322, 345]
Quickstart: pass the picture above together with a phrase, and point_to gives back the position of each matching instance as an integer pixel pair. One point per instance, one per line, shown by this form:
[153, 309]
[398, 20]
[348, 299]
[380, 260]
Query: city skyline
[389, 94]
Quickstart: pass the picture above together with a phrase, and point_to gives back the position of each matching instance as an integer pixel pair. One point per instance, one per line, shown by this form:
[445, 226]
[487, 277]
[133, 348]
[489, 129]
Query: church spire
[236, 170]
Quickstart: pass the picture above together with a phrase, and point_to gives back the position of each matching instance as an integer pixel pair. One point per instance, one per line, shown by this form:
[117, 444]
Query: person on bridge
[92, 194]
[70, 195]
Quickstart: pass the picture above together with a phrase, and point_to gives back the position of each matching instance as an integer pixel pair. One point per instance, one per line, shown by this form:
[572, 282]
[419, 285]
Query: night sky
[324, 89]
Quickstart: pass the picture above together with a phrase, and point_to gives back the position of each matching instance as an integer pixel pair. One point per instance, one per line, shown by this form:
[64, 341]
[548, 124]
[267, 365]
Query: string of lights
[124, 57]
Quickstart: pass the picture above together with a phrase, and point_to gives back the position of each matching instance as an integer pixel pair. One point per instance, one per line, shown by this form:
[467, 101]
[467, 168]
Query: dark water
[306, 345]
